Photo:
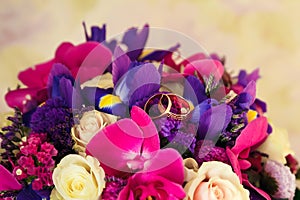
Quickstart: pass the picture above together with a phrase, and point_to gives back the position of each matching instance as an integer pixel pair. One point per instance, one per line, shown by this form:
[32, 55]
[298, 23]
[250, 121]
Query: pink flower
[132, 146]
[252, 136]
[85, 61]
[37, 184]
[8, 181]
[160, 184]
[49, 149]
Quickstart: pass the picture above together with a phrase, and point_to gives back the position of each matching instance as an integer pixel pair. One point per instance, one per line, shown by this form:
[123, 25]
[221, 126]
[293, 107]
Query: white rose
[214, 180]
[77, 177]
[277, 145]
[90, 124]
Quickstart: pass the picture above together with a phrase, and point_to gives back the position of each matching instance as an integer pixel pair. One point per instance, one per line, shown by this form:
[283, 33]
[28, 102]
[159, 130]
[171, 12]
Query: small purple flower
[207, 151]
[286, 181]
[113, 187]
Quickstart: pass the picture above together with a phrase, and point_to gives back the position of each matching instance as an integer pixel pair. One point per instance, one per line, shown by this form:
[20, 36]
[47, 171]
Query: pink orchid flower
[8, 181]
[132, 146]
[85, 61]
[252, 136]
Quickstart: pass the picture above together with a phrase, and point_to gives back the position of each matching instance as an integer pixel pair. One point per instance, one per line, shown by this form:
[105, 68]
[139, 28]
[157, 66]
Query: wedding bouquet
[117, 120]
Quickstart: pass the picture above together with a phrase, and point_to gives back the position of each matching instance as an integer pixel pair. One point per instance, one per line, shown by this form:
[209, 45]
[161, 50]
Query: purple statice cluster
[206, 151]
[177, 134]
[35, 161]
[113, 187]
[56, 119]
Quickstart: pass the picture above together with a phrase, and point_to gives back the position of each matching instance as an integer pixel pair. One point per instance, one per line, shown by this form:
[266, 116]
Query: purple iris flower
[60, 83]
[99, 35]
[194, 90]
[244, 79]
[135, 41]
[213, 118]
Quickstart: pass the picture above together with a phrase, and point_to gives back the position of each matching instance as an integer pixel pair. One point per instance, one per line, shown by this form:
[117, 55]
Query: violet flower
[99, 35]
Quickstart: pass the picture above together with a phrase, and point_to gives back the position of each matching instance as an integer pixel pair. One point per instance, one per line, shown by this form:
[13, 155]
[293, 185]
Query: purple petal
[134, 79]
[8, 181]
[120, 65]
[244, 78]
[98, 34]
[259, 105]
[214, 121]
[140, 96]
[194, 90]
[29, 194]
[58, 70]
[159, 55]
[135, 41]
[66, 90]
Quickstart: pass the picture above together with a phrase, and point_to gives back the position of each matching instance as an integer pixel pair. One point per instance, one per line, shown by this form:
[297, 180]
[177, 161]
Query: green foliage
[268, 184]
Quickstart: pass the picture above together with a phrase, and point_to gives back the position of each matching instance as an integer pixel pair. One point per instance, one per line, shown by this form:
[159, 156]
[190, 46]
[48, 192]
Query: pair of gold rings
[167, 104]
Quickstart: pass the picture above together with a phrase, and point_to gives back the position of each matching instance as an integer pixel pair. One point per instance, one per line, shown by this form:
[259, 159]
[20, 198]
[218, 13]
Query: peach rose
[214, 180]
[90, 123]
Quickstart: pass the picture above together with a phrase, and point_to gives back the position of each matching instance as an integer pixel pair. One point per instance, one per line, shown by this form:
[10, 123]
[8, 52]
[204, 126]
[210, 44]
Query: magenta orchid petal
[205, 67]
[165, 163]
[234, 163]
[259, 191]
[254, 133]
[40, 73]
[244, 164]
[61, 51]
[8, 181]
[150, 134]
[23, 99]
[87, 56]
[118, 145]
[141, 186]
[195, 57]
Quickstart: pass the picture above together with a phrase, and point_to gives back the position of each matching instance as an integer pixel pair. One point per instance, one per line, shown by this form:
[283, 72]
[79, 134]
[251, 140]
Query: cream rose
[78, 177]
[91, 123]
[214, 180]
[277, 145]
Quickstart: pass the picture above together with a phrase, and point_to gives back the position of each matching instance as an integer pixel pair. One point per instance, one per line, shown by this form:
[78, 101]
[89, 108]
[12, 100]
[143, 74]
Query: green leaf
[298, 174]
[268, 184]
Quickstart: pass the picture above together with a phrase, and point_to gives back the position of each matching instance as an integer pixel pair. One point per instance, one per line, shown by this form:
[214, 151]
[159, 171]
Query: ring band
[167, 104]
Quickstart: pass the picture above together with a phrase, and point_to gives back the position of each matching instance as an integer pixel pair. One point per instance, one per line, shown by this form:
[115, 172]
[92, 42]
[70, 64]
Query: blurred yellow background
[251, 33]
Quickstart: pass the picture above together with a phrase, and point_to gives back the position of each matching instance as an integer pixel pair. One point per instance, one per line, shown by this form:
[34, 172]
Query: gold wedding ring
[167, 104]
